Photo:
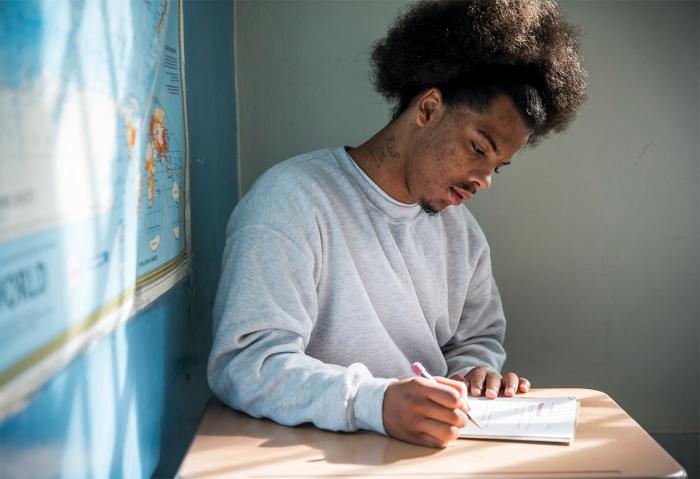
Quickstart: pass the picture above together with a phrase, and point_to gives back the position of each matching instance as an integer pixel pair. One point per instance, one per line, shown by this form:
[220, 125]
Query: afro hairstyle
[474, 50]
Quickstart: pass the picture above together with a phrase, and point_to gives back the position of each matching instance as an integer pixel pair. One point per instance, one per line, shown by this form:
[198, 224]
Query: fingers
[448, 417]
[475, 379]
[480, 381]
[493, 384]
[444, 413]
[424, 412]
[512, 385]
[454, 383]
[524, 385]
[438, 434]
[509, 384]
[446, 392]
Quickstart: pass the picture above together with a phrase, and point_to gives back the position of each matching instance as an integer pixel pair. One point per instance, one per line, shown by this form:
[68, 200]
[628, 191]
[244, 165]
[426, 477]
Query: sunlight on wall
[79, 87]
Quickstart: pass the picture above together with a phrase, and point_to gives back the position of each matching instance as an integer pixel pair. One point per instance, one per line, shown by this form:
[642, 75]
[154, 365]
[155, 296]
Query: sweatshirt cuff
[463, 371]
[369, 402]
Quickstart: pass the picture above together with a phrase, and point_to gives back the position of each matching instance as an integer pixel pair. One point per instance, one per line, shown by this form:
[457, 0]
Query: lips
[457, 195]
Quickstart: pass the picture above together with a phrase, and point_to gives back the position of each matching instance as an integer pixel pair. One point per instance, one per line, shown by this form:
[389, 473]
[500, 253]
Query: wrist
[369, 403]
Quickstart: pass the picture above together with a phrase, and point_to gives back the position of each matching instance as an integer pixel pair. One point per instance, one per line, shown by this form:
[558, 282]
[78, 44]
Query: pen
[420, 370]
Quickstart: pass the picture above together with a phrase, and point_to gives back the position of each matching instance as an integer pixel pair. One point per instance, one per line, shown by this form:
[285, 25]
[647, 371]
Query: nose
[481, 180]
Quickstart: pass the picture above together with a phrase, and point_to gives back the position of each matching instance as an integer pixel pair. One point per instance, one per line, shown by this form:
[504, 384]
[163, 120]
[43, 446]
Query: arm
[475, 354]
[265, 310]
[478, 340]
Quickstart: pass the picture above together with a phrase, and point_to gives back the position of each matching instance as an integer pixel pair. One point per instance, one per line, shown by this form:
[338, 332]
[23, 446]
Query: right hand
[423, 412]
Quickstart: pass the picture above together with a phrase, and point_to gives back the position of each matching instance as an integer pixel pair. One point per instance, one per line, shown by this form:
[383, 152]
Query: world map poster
[93, 175]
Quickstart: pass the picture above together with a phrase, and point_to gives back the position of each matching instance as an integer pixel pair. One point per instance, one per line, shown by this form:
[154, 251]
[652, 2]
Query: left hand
[480, 381]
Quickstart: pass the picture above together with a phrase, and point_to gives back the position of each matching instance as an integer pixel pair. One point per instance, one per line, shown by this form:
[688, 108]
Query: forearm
[485, 352]
[480, 334]
[270, 377]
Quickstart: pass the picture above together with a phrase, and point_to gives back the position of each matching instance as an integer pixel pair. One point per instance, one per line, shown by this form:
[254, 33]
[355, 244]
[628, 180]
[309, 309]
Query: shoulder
[300, 171]
[299, 179]
[288, 196]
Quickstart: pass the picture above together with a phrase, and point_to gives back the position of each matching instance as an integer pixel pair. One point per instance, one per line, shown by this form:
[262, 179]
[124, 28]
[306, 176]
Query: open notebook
[542, 419]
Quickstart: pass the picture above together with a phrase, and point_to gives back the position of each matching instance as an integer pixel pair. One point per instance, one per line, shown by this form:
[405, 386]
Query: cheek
[435, 180]
[450, 167]
[441, 166]
[425, 178]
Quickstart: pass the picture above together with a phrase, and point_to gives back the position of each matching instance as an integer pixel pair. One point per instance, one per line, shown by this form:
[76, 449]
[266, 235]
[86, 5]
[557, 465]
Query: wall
[128, 406]
[594, 233]
[211, 113]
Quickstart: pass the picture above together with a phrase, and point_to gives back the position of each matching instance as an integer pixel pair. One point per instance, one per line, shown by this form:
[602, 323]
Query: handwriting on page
[518, 417]
[523, 418]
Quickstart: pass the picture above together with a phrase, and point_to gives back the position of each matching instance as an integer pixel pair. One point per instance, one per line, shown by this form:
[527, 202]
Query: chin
[429, 208]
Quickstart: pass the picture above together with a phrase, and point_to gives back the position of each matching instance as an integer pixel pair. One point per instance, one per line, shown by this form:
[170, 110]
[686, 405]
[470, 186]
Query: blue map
[92, 173]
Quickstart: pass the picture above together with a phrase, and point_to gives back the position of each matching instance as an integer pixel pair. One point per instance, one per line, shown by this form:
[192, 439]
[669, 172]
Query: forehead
[500, 121]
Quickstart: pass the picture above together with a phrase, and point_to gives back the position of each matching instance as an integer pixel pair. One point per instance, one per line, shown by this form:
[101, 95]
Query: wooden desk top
[608, 443]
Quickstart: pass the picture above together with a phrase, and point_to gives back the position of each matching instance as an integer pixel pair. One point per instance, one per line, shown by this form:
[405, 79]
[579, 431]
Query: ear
[428, 106]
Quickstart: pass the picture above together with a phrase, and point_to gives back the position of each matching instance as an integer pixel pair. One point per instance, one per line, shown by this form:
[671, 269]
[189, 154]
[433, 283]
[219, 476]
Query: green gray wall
[594, 233]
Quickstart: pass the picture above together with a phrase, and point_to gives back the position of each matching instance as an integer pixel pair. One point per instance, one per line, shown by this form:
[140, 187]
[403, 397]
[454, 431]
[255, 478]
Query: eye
[477, 149]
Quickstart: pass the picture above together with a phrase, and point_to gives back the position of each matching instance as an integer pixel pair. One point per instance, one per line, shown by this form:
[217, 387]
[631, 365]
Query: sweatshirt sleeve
[265, 310]
[478, 340]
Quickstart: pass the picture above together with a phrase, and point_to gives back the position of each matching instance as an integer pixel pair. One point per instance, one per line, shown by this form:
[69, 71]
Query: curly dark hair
[474, 50]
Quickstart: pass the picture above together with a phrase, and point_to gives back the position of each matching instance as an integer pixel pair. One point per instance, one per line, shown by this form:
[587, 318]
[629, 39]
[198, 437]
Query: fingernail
[492, 391]
[509, 390]
[476, 391]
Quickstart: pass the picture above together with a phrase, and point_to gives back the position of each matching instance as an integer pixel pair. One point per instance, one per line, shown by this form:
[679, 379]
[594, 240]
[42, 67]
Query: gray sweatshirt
[330, 289]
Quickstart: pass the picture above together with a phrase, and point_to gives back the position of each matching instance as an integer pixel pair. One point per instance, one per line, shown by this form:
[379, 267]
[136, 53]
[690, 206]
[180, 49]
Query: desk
[608, 443]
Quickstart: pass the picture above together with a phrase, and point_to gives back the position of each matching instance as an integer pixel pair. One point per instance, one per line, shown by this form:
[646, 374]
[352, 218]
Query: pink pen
[419, 370]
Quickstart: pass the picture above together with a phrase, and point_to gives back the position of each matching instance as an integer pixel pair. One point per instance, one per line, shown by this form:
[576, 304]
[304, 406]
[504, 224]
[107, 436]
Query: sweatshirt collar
[395, 210]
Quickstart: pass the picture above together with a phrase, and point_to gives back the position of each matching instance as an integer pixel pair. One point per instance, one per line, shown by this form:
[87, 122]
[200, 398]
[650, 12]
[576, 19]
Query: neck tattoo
[391, 146]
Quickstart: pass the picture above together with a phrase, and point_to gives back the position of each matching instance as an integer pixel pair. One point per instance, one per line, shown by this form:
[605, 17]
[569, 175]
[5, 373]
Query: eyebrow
[490, 140]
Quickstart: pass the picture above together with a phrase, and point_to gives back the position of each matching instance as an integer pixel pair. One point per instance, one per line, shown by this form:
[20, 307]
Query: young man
[345, 265]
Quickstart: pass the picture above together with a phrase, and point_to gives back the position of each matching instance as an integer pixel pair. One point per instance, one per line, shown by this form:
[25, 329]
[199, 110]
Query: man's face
[457, 151]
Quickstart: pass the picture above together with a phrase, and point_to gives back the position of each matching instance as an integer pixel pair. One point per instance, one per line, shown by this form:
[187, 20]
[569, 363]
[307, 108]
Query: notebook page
[523, 418]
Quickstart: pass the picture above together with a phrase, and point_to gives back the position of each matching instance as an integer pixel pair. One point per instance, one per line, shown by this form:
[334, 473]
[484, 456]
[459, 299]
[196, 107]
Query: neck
[383, 159]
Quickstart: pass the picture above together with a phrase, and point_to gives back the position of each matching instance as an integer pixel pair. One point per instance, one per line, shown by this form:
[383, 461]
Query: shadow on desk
[363, 448]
